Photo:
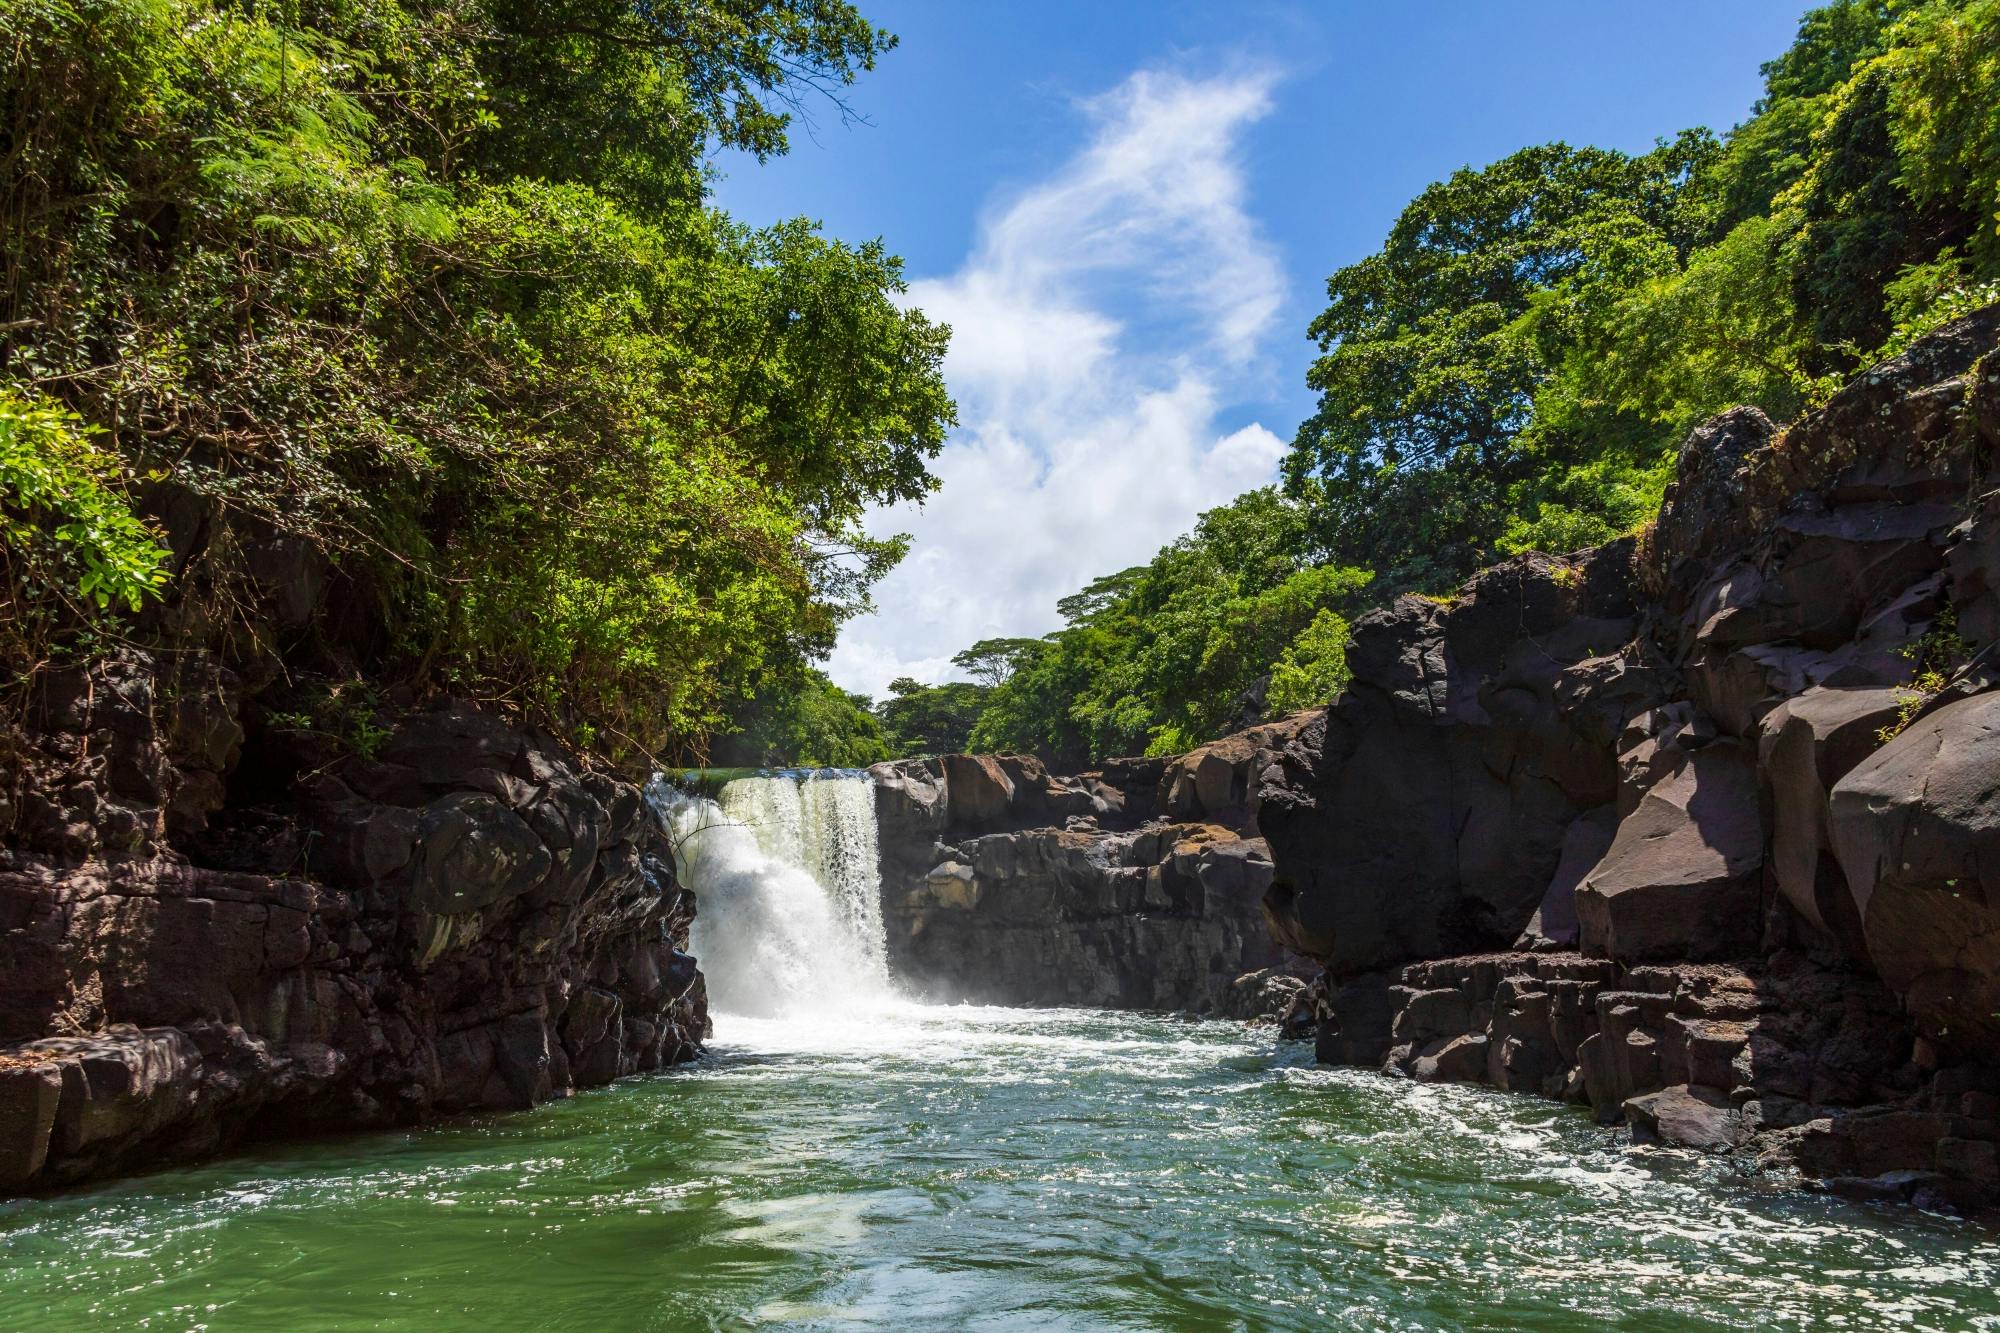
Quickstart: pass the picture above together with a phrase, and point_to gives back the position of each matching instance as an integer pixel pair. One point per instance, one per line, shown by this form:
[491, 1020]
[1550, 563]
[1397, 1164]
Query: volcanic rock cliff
[1136, 886]
[218, 920]
[1701, 828]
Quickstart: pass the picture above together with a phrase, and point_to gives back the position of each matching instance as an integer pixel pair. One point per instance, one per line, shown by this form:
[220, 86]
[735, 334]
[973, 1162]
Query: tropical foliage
[1515, 366]
[1514, 369]
[429, 289]
[1169, 654]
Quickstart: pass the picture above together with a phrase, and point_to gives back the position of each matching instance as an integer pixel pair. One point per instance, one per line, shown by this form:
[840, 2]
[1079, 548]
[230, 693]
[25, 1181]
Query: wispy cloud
[1096, 327]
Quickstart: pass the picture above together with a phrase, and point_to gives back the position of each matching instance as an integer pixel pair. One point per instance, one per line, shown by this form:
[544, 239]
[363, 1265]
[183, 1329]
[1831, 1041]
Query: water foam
[787, 875]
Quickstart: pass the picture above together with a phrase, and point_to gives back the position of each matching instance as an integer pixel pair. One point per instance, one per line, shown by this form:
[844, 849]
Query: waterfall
[787, 877]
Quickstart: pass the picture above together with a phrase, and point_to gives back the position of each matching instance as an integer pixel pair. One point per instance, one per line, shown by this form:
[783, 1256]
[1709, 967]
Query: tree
[1313, 667]
[921, 719]
[1515, 366]
[808, 722]
[1174, 652]
[1430, 362]
[434, 293]
[992, 661]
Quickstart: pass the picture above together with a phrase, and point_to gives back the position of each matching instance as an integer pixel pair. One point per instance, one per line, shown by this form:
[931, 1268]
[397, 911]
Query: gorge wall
[217, 922]
[1671, 826]
[1135, 886]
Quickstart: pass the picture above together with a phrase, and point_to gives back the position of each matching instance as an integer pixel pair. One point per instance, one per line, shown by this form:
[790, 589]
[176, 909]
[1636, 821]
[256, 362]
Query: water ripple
[971, 1168]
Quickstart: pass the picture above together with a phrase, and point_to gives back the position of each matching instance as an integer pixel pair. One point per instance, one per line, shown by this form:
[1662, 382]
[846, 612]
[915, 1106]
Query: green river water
[946, 1168]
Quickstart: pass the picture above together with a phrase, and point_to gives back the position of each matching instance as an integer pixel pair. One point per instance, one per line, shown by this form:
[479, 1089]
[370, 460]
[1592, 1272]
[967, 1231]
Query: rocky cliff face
[1135, 886]
[215, 925]
[1753, 858]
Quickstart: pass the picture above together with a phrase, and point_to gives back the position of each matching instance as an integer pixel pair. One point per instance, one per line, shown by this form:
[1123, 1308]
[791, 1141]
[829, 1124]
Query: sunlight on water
[912, 1167]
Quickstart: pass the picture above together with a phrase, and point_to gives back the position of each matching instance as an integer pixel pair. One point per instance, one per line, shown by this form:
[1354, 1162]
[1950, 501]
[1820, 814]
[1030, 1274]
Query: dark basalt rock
[1808, 743]
[1687, 1116]
[1785, 1061]
[1683, 875]
[468, 920]
[1003, 884]
[1427, 812]
[1163, 917]
[1671, 754]
[1917, 829]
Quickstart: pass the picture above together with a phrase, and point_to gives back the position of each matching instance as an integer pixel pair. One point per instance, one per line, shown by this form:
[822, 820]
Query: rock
[1809, 743]
[510, 931]
[1688, 1117]
[1426, 812]
[1268, 995]
[30, 1088]
[980, 792]
[1218, 781]
[1462, 1059]
[954, 886]
[1353, 1019]
[472, 851]
[1681, 879]
[1164, 917]
[1554, 924]
[1916, 827]
[1429, 1014]
[1976, 1160]
[1680, 738]
[1698, 516]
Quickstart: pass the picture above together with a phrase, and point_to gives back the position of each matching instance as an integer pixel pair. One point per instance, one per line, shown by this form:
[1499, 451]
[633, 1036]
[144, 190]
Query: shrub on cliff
[71, 549]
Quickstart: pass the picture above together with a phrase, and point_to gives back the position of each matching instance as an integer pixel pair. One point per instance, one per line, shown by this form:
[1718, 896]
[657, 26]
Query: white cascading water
[787, 879]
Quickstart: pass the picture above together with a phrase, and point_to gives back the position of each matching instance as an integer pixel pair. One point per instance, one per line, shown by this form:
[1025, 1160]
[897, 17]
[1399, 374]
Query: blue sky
[1128, 211]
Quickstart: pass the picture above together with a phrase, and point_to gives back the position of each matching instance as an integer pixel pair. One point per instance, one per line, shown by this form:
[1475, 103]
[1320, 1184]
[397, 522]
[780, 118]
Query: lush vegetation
[1516, 365]
[421, 301]
[70, 546]
[421, 305]
[1163, 656]
[805, 721]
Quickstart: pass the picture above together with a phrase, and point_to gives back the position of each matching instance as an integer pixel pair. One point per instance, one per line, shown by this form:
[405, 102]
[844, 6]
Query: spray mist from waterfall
[787, 879]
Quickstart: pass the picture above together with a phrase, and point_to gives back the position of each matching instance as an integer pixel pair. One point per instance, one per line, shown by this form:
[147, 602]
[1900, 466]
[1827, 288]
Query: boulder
[1681, 879]
[1916, 827]
[1218, 781]
[979, 793]
[1267, 995]
[1554, 924]
[471, 852]
[1461, 1059]
[30, 1089]
[1688, 1117]
[1808, 744]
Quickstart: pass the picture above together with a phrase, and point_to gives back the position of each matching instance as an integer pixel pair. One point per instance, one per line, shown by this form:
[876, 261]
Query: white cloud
[1095, 328]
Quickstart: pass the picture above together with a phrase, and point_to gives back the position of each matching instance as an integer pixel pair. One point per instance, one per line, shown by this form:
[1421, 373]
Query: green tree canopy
[433, 290]
[1514, 367]
[931, 719]
[804, 722]
[1170, 654]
